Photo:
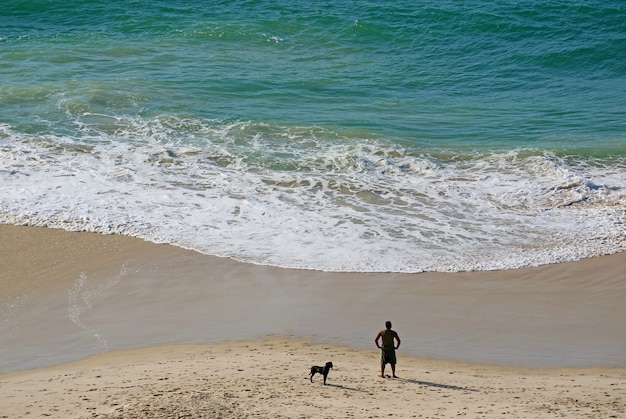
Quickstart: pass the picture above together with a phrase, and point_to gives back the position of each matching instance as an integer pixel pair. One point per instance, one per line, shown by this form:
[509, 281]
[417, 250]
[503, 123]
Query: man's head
[388, 324]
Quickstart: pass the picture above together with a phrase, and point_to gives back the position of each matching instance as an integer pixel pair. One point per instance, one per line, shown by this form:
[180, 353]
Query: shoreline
[80, 294]
[111, 327]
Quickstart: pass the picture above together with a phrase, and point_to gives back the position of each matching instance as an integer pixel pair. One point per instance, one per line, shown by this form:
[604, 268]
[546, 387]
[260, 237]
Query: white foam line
[292, 197]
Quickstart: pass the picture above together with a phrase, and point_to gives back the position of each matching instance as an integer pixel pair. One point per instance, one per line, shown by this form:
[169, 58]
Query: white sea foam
[307, 198]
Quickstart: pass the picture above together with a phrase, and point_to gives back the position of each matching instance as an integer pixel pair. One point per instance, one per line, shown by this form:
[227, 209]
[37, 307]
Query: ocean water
[343, 136]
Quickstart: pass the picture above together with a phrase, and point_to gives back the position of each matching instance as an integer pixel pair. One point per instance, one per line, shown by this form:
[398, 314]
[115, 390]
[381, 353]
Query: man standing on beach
[388, 350]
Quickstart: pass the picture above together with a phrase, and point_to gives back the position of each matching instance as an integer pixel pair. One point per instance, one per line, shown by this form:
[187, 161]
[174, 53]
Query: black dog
[321, 370]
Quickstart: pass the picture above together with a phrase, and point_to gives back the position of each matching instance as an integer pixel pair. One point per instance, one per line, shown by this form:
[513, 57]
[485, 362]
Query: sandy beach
[110, 326]
[269, 378]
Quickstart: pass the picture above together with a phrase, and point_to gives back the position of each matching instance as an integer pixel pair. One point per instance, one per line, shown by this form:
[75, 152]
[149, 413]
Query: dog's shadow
[346, 388]
[407, 380]
[431, 384]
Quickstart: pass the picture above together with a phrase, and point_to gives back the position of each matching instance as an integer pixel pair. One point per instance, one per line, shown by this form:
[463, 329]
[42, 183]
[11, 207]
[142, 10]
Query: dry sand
[269, 378]
[218, 338]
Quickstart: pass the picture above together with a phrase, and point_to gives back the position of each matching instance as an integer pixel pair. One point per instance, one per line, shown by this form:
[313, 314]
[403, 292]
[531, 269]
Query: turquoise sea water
[346, 136]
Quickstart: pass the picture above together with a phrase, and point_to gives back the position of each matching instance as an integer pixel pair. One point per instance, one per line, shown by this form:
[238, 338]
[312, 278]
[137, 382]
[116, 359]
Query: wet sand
[473, 340]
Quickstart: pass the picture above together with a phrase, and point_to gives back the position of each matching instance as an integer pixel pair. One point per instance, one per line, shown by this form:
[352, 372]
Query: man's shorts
[387, 356]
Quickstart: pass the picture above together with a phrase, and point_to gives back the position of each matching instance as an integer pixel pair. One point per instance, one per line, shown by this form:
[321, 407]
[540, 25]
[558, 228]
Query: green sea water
[357, 135]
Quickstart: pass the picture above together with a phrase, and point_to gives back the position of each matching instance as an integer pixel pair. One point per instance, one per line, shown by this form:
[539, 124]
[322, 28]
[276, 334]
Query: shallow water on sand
[88, 294]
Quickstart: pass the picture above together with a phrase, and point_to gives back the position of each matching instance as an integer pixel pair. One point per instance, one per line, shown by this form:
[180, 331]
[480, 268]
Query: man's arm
[378, 336]
[397, 339]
